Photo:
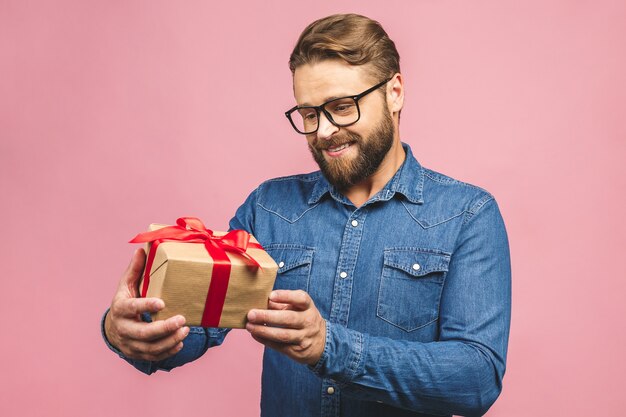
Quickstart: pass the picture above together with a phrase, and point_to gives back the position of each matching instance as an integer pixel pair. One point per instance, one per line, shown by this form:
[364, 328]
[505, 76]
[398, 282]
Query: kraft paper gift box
[215, 289]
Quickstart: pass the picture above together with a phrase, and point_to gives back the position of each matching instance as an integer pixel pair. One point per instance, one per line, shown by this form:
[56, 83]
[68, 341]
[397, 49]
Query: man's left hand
[292, 325]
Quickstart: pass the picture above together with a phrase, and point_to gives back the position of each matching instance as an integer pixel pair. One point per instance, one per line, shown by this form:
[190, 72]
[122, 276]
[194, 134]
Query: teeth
[337, 149]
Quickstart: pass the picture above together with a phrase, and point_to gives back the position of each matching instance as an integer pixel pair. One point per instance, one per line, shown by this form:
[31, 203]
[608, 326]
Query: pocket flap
[289, 257]
[417, 262]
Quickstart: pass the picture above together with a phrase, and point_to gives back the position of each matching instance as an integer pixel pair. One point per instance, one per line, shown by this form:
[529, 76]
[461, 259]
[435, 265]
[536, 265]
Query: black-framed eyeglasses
[342, 112]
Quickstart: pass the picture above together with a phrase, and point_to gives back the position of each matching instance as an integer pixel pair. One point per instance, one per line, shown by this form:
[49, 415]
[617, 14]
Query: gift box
[212, 278]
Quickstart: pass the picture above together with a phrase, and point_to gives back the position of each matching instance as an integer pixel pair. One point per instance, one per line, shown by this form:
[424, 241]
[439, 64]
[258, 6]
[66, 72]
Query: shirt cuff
[104, 335]
[341, 359]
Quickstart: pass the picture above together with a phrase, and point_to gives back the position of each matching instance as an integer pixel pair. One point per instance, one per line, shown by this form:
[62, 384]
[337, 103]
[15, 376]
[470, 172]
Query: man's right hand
[126, 331]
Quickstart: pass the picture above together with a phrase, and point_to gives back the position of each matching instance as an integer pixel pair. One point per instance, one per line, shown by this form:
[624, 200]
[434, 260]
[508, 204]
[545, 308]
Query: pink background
[120, 113]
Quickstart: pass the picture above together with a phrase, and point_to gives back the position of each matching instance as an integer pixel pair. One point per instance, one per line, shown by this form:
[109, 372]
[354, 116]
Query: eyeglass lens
[342, 111]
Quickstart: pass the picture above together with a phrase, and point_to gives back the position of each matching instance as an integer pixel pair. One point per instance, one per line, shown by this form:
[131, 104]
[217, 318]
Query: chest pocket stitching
[293, 219]
[290, 275]
[292, 262]
[428, 261]
[427, 225]
[408, 298]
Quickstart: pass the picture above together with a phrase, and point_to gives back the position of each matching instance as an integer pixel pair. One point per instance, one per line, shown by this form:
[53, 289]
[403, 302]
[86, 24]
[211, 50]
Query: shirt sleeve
[462, 372]
[245, 214]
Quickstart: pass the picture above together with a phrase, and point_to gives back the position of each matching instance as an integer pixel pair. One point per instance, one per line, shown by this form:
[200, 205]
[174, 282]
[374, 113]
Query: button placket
[330, 398]
[342, 293]
[348, 253]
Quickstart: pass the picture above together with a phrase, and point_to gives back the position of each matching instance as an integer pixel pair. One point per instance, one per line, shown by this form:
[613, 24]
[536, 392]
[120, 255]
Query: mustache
[334, 142]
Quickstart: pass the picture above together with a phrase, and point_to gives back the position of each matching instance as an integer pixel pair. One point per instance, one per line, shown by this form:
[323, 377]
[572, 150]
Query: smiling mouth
[337, 149]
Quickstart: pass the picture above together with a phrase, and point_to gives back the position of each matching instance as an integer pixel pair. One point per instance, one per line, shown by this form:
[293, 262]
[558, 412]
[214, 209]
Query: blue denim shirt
[414, 285]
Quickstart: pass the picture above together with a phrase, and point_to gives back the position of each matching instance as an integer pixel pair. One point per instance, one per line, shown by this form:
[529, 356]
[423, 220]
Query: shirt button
[343, 274]
[355, 223]
[416, 267]
[330, 390]
[281, 264]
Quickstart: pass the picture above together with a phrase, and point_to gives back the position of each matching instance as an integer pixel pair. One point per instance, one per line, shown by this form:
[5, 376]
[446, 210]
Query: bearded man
[394, 288]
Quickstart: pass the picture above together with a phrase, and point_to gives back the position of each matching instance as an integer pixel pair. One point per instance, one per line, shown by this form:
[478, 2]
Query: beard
[344, 172]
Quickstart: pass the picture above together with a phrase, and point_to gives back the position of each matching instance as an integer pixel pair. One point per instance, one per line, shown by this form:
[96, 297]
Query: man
[393, 293]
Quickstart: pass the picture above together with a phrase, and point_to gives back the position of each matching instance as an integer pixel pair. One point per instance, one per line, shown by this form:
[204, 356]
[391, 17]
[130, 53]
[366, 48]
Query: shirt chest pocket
[294, 266]
[410, 286]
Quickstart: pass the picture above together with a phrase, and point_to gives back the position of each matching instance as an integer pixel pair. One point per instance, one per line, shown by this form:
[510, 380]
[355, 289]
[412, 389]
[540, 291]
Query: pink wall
[117, 114]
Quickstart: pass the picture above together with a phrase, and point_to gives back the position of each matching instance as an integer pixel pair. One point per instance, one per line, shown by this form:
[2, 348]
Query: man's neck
[359, 193]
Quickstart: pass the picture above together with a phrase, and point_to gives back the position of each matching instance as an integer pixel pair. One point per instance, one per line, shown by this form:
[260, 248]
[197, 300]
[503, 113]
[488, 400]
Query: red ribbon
[192, 230]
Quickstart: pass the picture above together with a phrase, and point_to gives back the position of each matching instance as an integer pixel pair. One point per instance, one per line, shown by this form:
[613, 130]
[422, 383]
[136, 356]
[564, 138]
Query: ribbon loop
[192, 223]
[192, 228]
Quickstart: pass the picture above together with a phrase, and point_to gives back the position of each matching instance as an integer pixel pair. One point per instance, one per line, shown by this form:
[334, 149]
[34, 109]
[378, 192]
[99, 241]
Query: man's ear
[395, 93]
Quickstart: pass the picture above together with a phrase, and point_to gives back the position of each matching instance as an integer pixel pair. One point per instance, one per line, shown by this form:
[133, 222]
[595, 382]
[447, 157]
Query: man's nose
[325, 129]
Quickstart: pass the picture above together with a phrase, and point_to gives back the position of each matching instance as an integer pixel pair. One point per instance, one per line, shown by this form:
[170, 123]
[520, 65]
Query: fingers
[292, 326]
[128, 325]
[131, 307]
[278, 306]
[275, 335]
[156, 330]
[158, 349]
[148, 341]
[123, 325]
[298, 299]
[131, 277]
[277, 318]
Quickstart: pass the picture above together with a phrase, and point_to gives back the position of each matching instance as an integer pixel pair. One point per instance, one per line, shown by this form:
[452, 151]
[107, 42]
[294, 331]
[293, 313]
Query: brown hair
[356, 39]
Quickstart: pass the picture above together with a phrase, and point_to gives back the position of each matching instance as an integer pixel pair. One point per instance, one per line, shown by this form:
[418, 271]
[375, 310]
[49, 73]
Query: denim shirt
[414, 286]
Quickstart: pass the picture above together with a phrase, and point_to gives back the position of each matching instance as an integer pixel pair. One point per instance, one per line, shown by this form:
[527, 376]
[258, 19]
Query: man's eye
[343, 108]
[310, 116]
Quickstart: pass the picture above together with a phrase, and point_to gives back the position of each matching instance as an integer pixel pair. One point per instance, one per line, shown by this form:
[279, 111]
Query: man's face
[347, 155]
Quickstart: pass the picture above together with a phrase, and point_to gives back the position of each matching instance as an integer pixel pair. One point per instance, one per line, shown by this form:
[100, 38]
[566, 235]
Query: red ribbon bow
[192, 230]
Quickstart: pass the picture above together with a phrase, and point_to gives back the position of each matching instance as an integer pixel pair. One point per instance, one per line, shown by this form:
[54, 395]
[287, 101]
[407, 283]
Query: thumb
[133, 273]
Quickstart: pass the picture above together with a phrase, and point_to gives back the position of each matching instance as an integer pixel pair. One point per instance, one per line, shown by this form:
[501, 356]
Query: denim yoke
[414, 285]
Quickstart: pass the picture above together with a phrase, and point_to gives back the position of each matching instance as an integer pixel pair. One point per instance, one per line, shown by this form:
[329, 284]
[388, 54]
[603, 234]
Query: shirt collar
[408, 181]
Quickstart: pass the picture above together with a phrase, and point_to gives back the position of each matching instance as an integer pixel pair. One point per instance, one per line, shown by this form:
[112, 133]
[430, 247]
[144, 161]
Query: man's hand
[126, 331]
[292, 326]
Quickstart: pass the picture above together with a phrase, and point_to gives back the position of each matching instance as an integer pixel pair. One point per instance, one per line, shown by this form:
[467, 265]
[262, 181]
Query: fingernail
[272, 295]
[185, 331]
[249, 327]
[180, 321]
[159, 304]
[251, 315]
